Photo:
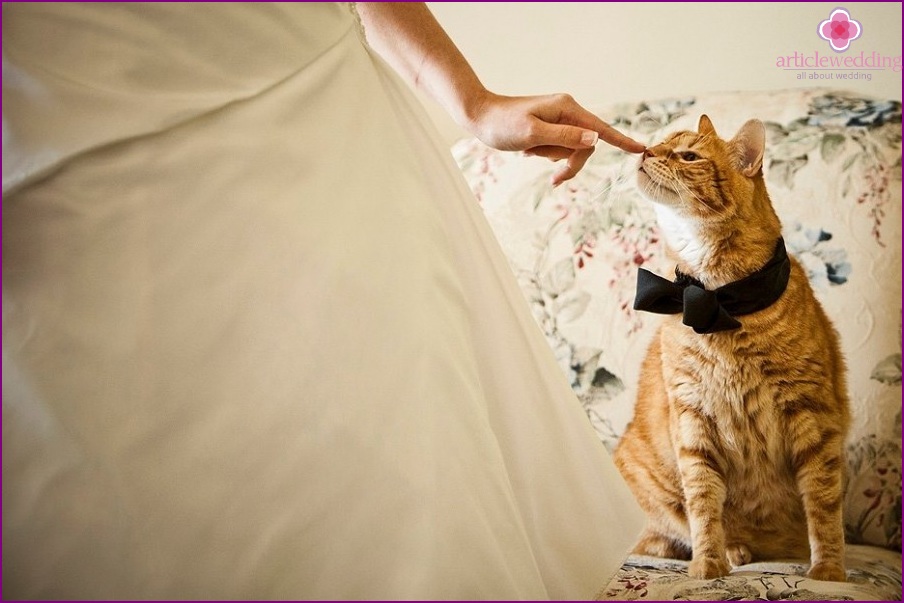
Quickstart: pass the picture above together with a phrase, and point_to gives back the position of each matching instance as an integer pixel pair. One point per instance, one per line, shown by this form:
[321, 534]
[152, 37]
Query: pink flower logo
[839, 30]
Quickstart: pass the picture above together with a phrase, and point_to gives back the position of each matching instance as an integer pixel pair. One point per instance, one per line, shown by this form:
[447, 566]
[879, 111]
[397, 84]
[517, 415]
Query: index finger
[617, 139]
[585, 119]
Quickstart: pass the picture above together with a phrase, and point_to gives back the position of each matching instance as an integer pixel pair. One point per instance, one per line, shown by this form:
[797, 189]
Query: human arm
[410, 39]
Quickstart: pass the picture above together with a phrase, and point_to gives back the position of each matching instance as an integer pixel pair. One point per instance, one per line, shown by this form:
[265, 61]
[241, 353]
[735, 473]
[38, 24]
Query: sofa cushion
[873, 574]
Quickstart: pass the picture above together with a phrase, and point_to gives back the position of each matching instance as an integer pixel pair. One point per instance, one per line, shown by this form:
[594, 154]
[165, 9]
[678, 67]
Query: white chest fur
[681, 234]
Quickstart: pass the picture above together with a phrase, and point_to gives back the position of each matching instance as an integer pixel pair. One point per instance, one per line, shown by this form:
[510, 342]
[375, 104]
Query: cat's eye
[690, 156]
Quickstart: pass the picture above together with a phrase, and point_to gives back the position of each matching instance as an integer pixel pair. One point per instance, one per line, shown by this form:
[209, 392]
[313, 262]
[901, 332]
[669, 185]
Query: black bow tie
[713, 311]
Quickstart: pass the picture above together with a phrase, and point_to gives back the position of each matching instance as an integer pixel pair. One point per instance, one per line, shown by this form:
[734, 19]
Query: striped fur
[735, 448]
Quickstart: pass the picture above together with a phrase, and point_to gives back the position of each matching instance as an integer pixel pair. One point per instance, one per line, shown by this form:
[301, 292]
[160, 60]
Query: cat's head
[711, 200]
[701, 176]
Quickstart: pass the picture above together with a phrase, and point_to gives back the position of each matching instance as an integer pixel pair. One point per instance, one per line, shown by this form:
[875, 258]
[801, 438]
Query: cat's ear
[748, 146]
[705, 126]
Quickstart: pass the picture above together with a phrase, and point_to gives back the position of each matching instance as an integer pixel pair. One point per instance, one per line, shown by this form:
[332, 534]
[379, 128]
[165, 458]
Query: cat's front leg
[817, 457]
[704, 491]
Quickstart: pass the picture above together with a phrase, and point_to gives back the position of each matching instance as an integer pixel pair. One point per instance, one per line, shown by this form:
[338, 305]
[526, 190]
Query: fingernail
[589, 138]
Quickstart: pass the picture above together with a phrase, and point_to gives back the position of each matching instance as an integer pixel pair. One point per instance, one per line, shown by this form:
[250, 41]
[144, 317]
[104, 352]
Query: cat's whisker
[680, 185]
[608, 186]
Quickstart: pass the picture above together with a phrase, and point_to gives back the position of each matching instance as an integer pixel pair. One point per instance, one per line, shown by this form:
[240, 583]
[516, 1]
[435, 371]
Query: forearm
[554, 126]
[409, 38]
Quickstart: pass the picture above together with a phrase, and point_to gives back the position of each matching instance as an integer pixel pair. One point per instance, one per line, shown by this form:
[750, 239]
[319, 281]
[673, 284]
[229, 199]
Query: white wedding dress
[258, 341]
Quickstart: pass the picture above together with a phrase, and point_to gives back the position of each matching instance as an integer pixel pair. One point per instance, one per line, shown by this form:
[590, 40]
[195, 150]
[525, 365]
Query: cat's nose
[647, 153]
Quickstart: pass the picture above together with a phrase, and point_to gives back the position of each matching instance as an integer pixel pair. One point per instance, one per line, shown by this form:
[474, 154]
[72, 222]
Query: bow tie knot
[713, 311]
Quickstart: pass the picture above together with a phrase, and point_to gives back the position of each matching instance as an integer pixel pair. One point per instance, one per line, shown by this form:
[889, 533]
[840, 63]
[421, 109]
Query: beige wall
[609, 52]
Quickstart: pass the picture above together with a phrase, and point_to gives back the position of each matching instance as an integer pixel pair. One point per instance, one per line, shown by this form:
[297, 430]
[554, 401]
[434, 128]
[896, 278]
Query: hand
[553, 126]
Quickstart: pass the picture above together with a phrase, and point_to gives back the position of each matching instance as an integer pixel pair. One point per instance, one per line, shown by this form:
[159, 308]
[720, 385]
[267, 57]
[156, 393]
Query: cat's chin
[646, 184]
[653, 191]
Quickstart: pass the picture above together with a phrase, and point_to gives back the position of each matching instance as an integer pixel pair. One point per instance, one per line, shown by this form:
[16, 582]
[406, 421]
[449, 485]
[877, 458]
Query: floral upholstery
[833, 170]
[874, 574]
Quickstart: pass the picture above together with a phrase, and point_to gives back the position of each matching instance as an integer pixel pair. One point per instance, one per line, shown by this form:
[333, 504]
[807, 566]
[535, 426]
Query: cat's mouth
[644, 178]
[647, 177]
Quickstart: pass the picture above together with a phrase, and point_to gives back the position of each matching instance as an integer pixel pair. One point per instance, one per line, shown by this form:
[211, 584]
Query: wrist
[473, 108]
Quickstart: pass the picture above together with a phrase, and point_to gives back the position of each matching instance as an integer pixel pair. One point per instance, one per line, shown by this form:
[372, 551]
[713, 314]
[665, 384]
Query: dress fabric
[258, 340]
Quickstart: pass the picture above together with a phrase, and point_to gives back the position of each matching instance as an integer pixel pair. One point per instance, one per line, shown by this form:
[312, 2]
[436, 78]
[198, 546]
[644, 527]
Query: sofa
[833, 169]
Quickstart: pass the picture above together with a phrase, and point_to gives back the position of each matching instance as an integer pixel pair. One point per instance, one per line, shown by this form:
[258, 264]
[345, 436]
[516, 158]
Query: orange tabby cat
[735, 448]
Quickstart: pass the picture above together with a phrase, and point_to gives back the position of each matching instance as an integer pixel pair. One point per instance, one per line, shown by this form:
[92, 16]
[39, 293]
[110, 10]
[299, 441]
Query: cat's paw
[738, 554]
[830, 571]
[705, 568]
[658, 545]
